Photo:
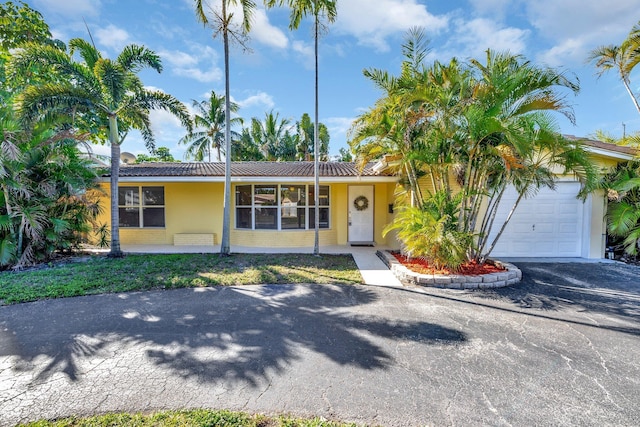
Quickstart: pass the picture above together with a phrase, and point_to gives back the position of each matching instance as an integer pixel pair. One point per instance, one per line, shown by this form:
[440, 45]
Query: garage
[551, 224]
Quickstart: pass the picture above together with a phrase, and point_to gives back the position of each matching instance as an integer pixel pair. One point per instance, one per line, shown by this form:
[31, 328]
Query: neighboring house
[272, 206]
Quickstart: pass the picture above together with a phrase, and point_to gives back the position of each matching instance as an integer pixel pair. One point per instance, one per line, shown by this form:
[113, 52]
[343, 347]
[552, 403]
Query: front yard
[99, 274]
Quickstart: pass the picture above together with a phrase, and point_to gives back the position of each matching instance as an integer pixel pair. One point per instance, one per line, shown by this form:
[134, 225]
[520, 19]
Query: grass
[191, 418]
[100, 274]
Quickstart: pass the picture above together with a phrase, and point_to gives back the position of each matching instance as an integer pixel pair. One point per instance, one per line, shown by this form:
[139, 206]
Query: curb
[511, 276]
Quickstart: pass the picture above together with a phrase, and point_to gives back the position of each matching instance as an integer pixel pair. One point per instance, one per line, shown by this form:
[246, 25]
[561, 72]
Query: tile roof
[245, 169]
[605, 145]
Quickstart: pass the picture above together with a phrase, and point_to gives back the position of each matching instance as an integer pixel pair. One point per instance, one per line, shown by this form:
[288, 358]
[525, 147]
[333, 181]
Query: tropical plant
[431, 231]
[45, 202]
[245, 148]
[270, 134]
[160, 154]
[623, 211]
[622, 58]
[471, 130]
[221, 22]
[101, 91]
[345, 155]
[305, 129]
[319, 9]
[209, 128]
[20, 24]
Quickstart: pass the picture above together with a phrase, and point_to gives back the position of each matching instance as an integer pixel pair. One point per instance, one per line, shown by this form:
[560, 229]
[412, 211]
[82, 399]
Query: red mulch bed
[421, 266]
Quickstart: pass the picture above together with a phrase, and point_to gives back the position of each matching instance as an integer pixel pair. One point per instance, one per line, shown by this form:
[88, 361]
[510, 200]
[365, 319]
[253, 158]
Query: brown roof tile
[245, 169]
[605, 145]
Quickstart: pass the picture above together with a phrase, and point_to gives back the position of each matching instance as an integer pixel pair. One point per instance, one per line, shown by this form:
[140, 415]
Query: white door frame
[357, 234]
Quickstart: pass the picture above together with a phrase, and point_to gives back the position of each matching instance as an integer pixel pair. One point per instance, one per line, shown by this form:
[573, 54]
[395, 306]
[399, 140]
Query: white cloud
[263, 32]
[178, 58]
[200, 65]
[474, 37]
[210, 76]
[386, 18]
[496, 9]
[306, 52]
[338, 127]
[577, 26]
[571, 49]
[261, 98]
[71, 7]
[113, 37]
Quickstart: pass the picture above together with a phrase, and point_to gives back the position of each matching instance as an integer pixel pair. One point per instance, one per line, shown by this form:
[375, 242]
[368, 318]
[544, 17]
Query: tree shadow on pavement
[211, 334]
[610, 289]
[602, 296]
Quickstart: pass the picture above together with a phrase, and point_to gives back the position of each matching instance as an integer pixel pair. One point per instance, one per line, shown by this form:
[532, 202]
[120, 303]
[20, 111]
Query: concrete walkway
[374, 271]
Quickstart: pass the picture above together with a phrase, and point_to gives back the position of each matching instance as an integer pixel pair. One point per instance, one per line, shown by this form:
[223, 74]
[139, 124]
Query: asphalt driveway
[561, 348]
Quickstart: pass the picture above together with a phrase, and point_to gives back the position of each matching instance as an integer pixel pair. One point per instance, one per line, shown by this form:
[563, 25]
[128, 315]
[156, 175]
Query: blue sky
[278, 73]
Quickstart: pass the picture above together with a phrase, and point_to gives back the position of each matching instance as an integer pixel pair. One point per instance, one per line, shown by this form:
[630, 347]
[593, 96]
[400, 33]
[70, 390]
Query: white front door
[547, 225]
[361, 214]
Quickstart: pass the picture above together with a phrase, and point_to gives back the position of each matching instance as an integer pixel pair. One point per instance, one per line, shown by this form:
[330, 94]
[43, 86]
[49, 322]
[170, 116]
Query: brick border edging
[511, 276]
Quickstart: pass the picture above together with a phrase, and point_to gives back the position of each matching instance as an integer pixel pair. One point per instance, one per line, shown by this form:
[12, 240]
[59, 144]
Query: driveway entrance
[561, 348]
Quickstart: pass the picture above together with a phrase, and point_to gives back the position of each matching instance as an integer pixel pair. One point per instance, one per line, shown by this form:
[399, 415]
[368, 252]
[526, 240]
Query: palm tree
[621, 58]
[305, 145]
[269, 134]
[105, 91]
[209, 122]
[222, 23]
[318, 9]
[479, 128]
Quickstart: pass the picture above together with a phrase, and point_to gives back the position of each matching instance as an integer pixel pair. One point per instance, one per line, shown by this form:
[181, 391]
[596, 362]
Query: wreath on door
[361, 203]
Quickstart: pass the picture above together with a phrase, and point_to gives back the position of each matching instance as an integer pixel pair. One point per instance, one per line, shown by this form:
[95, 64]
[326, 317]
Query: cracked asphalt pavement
[561, 348]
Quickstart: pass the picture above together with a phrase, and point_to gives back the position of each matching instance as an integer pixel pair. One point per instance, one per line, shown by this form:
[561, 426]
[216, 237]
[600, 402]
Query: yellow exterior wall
[197, 208]
[189, 208]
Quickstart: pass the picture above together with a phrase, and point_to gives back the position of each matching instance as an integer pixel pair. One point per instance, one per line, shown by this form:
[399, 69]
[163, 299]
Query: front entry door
[361, 214]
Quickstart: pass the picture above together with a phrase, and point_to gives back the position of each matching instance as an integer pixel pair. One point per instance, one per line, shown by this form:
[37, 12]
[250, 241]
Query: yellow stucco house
[273, 206]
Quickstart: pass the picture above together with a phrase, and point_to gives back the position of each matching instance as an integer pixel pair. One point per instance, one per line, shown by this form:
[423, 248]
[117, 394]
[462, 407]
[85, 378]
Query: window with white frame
[280, 207]
[141, 207]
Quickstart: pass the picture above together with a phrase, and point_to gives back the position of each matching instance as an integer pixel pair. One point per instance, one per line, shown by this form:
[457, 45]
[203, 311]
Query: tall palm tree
[209, 122]
[222, 23]
[318, 9]
[105, 91]
[622, 58]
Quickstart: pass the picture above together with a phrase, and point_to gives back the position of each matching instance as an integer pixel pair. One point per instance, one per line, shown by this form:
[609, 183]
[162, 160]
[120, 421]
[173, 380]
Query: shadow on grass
[210, 334]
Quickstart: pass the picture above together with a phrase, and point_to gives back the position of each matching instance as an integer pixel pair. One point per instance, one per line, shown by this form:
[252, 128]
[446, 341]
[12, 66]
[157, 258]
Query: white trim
[608, 153]
[257, 179]
[587, 212]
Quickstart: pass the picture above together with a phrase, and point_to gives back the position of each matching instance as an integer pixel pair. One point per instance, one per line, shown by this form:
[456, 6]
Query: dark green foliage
[623, 212]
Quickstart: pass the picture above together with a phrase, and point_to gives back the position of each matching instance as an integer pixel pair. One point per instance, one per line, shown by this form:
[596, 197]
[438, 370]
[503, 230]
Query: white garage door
[547, 225]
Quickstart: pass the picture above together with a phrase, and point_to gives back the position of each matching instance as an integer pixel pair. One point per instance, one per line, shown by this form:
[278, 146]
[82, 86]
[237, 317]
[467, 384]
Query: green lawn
[100, 274]
[193, 418]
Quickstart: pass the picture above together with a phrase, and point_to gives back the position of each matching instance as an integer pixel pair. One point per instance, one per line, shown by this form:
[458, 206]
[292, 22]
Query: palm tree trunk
[225, 246]
[316, 151]
[625, 81]
[115, 171]
[485, 256]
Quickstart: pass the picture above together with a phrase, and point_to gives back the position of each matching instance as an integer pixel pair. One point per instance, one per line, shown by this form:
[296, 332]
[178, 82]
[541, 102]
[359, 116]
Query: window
[141, 206]
[280, 207]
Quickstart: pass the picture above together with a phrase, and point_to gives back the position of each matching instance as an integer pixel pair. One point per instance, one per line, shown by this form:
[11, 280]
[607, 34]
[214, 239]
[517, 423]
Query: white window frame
[278, 207]
[141, 206]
